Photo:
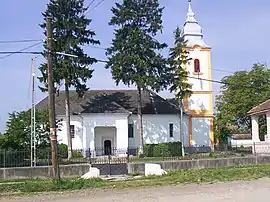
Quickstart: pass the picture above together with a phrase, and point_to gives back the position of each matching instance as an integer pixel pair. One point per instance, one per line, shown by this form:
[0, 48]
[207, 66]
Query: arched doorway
[108, 147]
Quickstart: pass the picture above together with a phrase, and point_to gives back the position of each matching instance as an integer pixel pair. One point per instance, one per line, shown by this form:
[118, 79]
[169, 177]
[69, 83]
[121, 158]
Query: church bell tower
[199, 105]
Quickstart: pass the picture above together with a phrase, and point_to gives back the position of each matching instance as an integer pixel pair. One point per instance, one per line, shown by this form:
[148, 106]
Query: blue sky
[238, 32]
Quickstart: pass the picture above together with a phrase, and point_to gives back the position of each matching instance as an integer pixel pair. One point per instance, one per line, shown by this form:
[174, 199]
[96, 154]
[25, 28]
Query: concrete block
[92, 173]
[154, 169]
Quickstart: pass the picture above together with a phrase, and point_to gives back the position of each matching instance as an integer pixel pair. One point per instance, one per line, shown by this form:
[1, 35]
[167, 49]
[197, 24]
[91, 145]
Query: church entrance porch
[105, 141]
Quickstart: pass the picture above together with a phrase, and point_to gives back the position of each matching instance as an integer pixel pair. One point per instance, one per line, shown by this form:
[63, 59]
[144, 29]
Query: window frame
[130, 130]
[72, 131]
[171, 127]
[197, 66]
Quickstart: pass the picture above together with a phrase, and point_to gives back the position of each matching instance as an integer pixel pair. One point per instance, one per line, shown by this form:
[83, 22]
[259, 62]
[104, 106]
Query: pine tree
[178, 76]
[70, 33]
[133, 57]
[177, 59]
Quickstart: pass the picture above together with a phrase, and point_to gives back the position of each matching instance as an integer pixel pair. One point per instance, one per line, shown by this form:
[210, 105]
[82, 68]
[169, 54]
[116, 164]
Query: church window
[197, 68]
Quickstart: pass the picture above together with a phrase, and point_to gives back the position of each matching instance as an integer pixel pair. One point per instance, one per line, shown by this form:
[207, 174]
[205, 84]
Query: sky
[238, 32]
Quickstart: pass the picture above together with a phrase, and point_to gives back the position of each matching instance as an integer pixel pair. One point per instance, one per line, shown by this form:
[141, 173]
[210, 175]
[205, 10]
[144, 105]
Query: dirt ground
[249, 191]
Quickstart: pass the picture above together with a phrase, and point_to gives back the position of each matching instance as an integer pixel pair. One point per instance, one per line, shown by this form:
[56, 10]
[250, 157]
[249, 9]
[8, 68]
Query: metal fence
[12, 158]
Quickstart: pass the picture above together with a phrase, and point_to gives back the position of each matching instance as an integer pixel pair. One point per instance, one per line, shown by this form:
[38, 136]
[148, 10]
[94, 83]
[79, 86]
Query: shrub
[63, 151]
[168, 149]
[77, 154]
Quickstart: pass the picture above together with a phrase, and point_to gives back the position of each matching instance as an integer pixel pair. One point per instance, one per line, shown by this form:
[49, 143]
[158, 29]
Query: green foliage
[178, 58]
[241, 92]
[169, 149]
[62, 151]
[70, 33]
[133, 56]
[18, 130]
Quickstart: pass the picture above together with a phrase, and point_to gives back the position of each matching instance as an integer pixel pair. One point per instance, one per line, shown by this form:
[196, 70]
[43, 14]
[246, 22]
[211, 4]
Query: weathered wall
[43, 171]
[156, 129]
[138, 168]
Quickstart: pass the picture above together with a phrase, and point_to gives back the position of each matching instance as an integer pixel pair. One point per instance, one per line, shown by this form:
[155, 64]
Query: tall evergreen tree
[70, 33]
[133, 57]
[179, 77]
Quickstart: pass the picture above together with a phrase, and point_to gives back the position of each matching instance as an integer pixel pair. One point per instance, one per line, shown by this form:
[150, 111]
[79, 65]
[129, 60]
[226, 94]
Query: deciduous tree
[18, 130]
[240, 93]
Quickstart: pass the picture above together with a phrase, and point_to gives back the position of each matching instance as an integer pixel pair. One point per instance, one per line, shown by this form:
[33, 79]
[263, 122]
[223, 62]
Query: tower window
[197, 68]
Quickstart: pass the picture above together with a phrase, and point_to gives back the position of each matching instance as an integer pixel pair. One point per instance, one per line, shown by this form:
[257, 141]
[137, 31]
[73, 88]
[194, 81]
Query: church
[105, 121]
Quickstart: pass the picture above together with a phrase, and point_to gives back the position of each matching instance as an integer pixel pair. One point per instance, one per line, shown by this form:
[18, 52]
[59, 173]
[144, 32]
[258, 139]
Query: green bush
[169, 149]
[77, 154]
[63, 151]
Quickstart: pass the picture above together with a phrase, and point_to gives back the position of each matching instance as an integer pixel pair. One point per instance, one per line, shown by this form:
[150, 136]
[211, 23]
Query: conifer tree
[70, 33]
[178, 76]
[133, 55]
[177, 59]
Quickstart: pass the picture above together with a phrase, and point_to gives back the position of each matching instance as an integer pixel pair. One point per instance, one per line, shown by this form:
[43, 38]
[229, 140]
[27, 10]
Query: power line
[90, 4]
[20, 51]
[202, 79]
[94, 6]
[19, 41]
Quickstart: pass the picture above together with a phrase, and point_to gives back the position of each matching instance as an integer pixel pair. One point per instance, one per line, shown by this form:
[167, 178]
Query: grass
[173, 177]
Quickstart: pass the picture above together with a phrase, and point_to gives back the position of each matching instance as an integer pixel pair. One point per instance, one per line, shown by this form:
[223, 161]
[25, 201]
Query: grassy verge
[173, 177]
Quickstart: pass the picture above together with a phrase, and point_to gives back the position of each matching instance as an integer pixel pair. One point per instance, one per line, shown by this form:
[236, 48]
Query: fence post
[254, 149]
[4, 157]
[127, 157]
[162, 154]
[90, 160]
[110, 168]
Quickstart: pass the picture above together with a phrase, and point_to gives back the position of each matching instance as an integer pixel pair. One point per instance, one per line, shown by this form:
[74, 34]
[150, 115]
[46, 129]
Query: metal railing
[12, 158]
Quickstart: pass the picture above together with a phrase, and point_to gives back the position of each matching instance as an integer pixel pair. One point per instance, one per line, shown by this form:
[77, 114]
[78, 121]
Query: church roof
[111, 101]
[192, 31]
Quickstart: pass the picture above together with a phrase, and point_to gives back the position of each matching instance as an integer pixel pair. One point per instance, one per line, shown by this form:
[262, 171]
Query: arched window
[197, 68]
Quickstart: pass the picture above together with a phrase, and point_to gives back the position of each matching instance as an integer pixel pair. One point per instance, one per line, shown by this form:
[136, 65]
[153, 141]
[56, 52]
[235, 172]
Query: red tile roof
[260, 109]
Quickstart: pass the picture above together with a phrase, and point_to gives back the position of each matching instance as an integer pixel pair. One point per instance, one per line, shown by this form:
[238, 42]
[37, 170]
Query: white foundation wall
[201, 132]
[85, 130]
[156, 129]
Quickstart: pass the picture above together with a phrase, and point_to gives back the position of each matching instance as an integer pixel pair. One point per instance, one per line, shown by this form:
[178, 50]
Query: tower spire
[190, 14]
[192, 31]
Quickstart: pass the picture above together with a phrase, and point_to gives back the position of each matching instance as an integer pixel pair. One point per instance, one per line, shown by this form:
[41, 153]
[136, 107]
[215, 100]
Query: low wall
[139, 168]
[74, 170]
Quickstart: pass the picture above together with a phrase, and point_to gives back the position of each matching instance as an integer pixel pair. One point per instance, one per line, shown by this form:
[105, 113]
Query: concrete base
[261, 148]
[93, 173]
[153, 169]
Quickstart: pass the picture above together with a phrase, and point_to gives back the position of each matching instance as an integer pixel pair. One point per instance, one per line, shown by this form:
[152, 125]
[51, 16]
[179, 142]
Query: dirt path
[222, 192]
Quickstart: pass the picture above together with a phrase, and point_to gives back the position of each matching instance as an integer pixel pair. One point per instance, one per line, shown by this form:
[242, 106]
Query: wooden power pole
[51, 102]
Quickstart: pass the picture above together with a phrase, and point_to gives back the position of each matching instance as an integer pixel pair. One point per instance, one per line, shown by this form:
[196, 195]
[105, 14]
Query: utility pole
[33, 115]
[181, 128]
[51, 103]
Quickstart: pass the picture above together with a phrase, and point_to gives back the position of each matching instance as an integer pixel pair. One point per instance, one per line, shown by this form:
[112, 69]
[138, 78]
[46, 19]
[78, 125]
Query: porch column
[255, 128]
[267, 138]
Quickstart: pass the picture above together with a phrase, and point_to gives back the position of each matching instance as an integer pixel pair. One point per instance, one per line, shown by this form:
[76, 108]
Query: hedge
[168, 149]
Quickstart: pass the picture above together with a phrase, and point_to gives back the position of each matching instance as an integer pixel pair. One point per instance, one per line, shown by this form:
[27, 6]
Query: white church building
[104, 120]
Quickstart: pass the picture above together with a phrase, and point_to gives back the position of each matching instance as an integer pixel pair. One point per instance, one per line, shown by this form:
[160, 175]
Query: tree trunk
[140, 125]
[69, 139]
[181, 128]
